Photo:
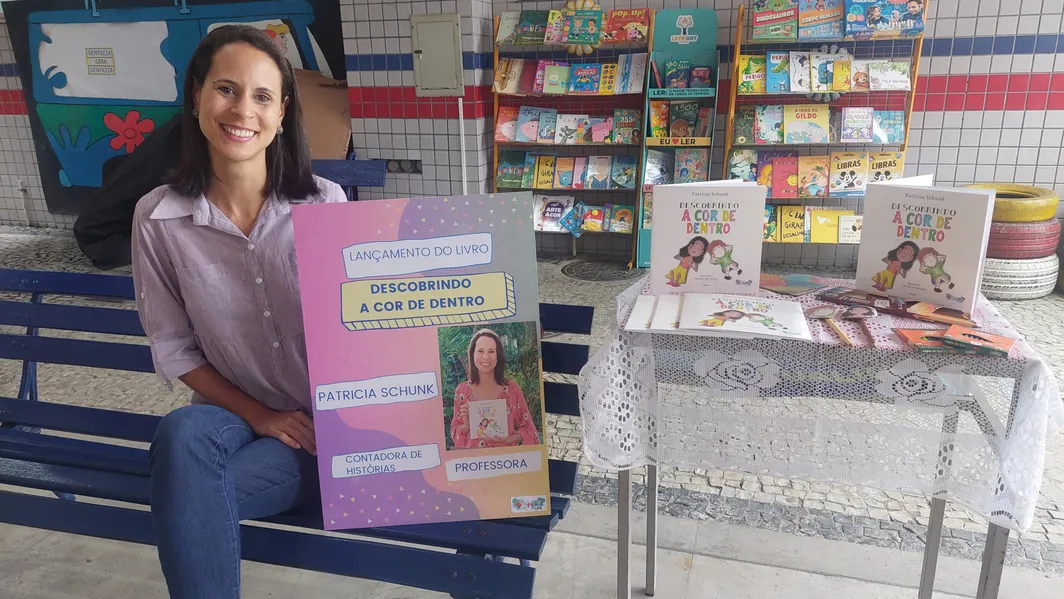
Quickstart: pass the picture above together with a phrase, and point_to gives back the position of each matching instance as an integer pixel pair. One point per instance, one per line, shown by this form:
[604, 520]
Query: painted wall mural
[100, 76]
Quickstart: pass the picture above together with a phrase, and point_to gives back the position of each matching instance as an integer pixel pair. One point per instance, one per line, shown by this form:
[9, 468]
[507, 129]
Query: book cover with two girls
[707, 238]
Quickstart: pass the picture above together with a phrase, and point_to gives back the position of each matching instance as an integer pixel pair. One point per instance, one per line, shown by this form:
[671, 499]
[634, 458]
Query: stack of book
[530, 124]
[573, 27]
[798, 124]
[804, 72]
[719, 315]
[811, 20]
[526, 76]
[838, 175]
[529, 170]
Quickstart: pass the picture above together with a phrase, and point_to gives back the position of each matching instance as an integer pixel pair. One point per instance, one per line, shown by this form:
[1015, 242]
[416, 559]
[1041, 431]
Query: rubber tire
[1020, 279]
[1021, 203]
[1023, 240]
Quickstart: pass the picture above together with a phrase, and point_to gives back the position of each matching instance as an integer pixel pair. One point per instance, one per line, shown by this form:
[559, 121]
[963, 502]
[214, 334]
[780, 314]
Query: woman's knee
[190, 431]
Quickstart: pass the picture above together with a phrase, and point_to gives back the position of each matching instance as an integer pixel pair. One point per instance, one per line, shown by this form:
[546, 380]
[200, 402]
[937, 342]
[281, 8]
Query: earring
[195, 113]
[280, 129]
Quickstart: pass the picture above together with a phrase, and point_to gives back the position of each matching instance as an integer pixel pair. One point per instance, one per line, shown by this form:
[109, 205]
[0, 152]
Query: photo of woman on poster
[490, 409]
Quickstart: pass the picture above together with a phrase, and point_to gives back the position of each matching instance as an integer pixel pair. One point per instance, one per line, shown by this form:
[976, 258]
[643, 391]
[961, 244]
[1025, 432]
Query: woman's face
[696, 249]
[906, 254]
[484, 357]
[240, 103]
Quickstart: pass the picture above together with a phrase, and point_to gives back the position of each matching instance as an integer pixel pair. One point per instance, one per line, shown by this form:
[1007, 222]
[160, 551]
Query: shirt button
[258, 281]
[251, 246]
[276, 344]
[266, 313]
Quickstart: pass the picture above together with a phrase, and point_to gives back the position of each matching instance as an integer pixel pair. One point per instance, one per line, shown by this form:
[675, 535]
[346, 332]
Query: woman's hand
[294, 429]
[508, 441]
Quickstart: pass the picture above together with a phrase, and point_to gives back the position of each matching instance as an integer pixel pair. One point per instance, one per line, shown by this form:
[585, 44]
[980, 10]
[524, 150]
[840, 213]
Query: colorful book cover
[585, 134]
[602, 132]
[849, 174]
[743, 124]
[598, 172]
[622, 173]
[541, 69]
[622, 219]
[506, 124]
[752, 73]
[742, 164]
[585, 78]
[885, 166]
[556, 79]
[706, 238]
[582, 27]
[596, 219]
[822, 67]
[925, 243]
[626, 124]
[513, 76]
[820, 19]
[771, 232]
[372, 439]
[659, 167]
[528, 176]
[859, 81]
[800, 72]
[692, 165]
[488, 418]
[567, 128]
[544, 178]
[659, 118]
[626, 26]
[547, 126]
[741, 317]
[580, 172]
[785, 177]
[793, 284]
[888, 127]
[563, 172]
[888, 75]
[768, 124]
[508, 22]
[511, 168]
[528, 124]
[806, 123]
[701, 77]
[555, 32]
[682, 118]
[775, 20]
[647, 220]
[856, 124]
[824, 224]
[532, 28]
[637, 73]
[884, 19]
[677, 73]
[528, 77]
[608, 79]
[928, 341]
[980, 342]
[792, 224]
[549, 210]
[501, 72]
[778, 75]
[850, 229]
[704, 122]
[573, 220]
[841, 74]
[812, 176]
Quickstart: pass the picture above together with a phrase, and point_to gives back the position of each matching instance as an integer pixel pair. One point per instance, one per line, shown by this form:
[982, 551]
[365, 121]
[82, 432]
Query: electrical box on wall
[437, 46]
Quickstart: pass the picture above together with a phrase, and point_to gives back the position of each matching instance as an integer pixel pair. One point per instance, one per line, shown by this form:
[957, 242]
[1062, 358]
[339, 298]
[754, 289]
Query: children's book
[741, 317]
[580, 172]
[622, 219]
[587, 127]
[602, 132]
[512, 83]
[742, 164]
[775, 20]
[806, 123]
[792, 224]
[793, 284]
[567, 128]
[800, 72]
[824, 224]
[555, 28]
[626, 26]
[785, 177]
[682, 117]
[584, 78]
[563, 172]
[841, 73]
[885, 166]
[768, 124]
[778, 72]
[659, 118]
[508, 28]
[598, 172]
[532, 28]
[706, 238]
[528, 175]
[813, 176]
[859, 81]
[764, 166]
[506, 124]
[771, 231]
[622, 173]
[544, 178]
[701, 77]
[541, 68]
[822, 70]
[752, 72]
[501, 72]
[528, 124]
[677, 73]
[820, 19]
[647, 220]
[856, 124]
[659, 167]
[888, 75]
[925, 243]
[884, 19]
[850, 228]
[573, 220]
[556, 79]
[549, 211]
[608, 79]
[692, 165]
[888, 127]
[632, 70]
[511, 168]
[744, 124]
[849, 174]
[583, 27]
[548, 124]
[595, 219]
[704, 122]
[626, 124]
[979, 342]
[528, 77]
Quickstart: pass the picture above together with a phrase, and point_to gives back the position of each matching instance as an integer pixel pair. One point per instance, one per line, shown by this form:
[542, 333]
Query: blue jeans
[208, 472]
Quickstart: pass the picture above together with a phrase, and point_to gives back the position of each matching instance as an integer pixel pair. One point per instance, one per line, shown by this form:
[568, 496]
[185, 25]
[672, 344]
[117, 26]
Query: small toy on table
[861, 314]
[827, 313]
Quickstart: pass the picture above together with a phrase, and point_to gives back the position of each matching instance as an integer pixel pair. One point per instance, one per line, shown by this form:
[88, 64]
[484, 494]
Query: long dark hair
[705, 246]
[288, 170]
[892, 255]
[500, 357]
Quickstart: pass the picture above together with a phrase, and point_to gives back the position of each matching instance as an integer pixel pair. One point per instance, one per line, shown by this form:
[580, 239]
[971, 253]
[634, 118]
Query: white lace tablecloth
[968, 428]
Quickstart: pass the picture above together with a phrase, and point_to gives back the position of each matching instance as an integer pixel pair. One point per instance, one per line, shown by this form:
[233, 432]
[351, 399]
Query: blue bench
[351, 174]
[474, 567]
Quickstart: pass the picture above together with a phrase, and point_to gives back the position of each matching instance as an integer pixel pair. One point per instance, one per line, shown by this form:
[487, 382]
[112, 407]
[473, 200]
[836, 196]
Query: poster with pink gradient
[422, 331]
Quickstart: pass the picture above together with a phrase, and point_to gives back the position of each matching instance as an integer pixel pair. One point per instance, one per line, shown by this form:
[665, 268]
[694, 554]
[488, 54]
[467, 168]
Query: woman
[487, 380]
[215, 276]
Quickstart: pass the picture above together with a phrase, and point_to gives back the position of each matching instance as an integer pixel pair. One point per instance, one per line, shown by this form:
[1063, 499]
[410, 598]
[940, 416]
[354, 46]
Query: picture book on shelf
[706, 238]
[824, 224]
[506, 124]
[608, 79]
[775, 20]
[512, 83]
[744, 124]
[849, 174]
[598, 172]
[528, 176]
[544, 177]
[541, 69]
[582, 27]
[580, 172]
[856, 124]
[785, 177]
[548, 123]
[841, 74]
[778, 72]
[741, 317]
[659, 167]
[626, 125]
[595, 219]
[602, 132]
[631, 70]
[567, 127]
[532, 27]
[771, 231]
[859, 81]
[659, 118]
[511, 168]
[704, 122]
[508, 22]
[555, 28]
[850, 228]
[742, 164]
[885, 166]
[563, 172]
[888, 75]
[585, 134]
[682, 117]
[584, 78]
[925, 243]
[768, 124]
[622, 173]
[528, 124]
[647, 219]
[528, 77]
[884, 19]
[549, 210]
[792, 224]
[822, 67]
[812, 176]
[556, 79]
[820, 19]
[806, 123]
[501, 72]
[888, 127]
[692, 165]
[573, 220]
[677, 73]
[764, 170]
[701, 77]
[626, 26]
[621, 218]
[800, 70]
[752, 72]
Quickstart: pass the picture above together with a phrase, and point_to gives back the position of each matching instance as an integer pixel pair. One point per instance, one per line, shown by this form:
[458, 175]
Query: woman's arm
[460, 419]
[521, 422]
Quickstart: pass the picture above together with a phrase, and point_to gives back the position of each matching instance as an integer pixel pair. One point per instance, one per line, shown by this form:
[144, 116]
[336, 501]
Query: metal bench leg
[652, 529]
[934, 541]
[624, 534]
[997, 541]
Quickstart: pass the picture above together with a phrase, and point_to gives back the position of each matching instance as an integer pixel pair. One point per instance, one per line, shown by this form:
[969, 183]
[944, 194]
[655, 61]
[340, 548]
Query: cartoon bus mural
[104, 78]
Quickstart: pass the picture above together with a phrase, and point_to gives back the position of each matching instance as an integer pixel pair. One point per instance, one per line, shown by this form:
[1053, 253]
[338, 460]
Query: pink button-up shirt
[206, 293]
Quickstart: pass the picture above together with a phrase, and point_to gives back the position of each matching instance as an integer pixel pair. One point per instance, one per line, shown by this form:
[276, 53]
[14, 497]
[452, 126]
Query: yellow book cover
[841, 82]
[849, 174]
[806, 123]
[544, 172]
[608, 79]
[884, 166]
[812, 176]
[792, 224]
[752, 73]
[824, 224]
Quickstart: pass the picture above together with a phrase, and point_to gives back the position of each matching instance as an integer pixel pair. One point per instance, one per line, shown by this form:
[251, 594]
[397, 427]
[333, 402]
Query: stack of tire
[1021, 259]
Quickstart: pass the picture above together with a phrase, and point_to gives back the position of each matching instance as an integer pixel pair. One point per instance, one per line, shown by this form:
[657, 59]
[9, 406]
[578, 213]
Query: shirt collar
[175, 205]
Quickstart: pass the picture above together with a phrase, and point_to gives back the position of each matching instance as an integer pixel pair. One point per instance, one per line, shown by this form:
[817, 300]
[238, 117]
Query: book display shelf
[680, 112]
[585, 112]
[817, 117]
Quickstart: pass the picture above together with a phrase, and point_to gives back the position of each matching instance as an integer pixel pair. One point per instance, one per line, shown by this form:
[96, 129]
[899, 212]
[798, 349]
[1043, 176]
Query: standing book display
[443, 420]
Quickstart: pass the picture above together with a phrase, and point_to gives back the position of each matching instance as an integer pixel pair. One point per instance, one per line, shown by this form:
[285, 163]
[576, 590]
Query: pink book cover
[601, 132]
[579, 172]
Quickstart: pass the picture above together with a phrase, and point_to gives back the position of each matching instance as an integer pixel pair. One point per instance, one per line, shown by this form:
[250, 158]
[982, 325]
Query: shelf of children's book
[853, 197]
[532, 144]
[809, 95]
[807, 243]
[827, 145]
[682, 92]
[566, 189]
[828, 40]
[571, 95]
[585, 232]
[562, 52]
[679, 142]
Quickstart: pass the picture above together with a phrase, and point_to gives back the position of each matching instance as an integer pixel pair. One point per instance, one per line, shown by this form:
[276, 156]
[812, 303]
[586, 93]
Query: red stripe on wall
[403, 103]
[12, 102]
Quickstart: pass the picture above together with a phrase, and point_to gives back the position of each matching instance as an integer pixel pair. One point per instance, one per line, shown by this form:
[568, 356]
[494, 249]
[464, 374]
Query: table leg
[997, 540]
[624, 534]
[652, 529]
[931, 548]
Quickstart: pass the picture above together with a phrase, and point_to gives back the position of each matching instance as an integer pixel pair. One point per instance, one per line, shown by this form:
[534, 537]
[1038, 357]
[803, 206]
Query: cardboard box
[326, 114]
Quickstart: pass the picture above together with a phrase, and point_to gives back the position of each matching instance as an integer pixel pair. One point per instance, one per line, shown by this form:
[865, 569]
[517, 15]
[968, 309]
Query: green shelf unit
[679, 34]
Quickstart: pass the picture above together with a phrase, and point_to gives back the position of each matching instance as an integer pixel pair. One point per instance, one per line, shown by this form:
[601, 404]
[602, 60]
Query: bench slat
[113, 321]
[562, 476]
[77, 352]
[563, 318]
[67, 283]
[564, 358]
[561, 398]
[71, 479]
[78, 419]
[443, 572]
[50, 449]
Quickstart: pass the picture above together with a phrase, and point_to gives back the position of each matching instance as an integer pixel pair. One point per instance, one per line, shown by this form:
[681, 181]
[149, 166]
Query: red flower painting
[130, 131]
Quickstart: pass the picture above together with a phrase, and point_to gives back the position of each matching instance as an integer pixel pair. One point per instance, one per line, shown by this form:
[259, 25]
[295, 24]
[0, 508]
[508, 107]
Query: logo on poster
[684, 23]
